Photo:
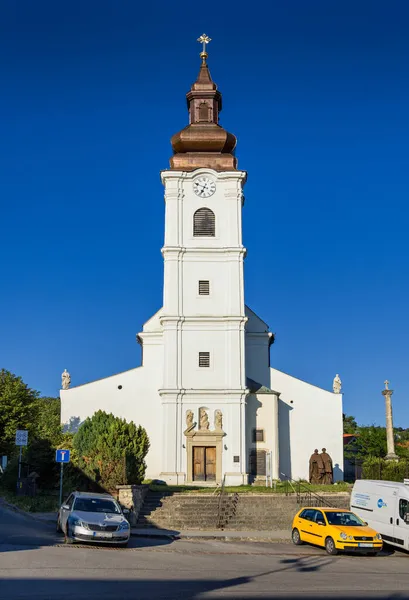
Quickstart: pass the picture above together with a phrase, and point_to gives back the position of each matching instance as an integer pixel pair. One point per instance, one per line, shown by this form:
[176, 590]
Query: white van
[384, 505]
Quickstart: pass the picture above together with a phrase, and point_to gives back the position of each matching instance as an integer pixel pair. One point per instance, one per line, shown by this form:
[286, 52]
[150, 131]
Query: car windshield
[344, 518]
[96, 505]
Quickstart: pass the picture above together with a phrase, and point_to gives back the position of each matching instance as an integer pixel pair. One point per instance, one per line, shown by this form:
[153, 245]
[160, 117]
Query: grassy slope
[281, 488]
[40, 503]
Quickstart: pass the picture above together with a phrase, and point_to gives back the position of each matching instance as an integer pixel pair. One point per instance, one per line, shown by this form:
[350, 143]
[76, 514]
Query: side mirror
[65, 507]
[320, 523]
[406, 519]
[126, 511]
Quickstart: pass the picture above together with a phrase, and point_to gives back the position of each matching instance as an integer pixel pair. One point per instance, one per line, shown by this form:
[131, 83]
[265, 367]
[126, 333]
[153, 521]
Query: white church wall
[257, 358]
[262, 413]
[222, 278]
[257, 349]
[182, 203]
[224, 348]
[137, 400]
[224, 205]
[309, 418]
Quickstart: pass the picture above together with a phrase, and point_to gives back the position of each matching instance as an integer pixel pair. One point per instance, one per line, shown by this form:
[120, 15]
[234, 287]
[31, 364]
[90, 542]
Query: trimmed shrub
[111, 451]
[385, 470]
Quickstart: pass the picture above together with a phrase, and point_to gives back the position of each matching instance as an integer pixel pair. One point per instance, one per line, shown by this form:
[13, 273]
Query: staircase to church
[258, 512]
[168, 510]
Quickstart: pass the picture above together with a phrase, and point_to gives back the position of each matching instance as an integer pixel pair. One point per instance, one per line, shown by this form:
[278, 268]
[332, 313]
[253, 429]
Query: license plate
[365, 545]
[102, 534]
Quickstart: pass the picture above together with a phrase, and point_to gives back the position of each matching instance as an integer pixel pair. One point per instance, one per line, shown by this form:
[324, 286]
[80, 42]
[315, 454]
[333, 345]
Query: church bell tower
[203, 317]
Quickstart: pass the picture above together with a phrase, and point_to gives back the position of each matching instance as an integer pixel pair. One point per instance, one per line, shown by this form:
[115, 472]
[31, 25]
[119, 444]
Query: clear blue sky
[317, 93]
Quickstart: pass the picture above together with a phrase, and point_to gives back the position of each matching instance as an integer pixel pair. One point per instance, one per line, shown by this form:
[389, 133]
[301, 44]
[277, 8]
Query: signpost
[21, 440]
[62, 456]
[269, 469]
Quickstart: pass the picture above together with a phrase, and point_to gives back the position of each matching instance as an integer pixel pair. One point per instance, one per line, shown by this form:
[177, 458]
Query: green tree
[48, 423]
[350, 425]
[370, 441]
[111, 451]
[18, 410]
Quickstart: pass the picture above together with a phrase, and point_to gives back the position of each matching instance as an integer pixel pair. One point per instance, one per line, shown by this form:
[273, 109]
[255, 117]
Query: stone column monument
[389, 423]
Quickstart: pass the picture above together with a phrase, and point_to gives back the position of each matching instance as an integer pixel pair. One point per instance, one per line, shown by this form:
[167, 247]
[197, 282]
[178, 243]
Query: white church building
[210, 401]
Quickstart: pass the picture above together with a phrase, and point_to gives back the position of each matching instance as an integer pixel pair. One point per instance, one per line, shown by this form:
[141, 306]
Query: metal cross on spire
[204, 39]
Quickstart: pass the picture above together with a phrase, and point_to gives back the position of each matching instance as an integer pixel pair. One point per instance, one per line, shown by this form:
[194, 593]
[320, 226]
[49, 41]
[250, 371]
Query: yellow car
[335, 529]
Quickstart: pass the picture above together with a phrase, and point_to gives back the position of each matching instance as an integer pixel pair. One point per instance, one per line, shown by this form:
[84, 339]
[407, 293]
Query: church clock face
[204, 187]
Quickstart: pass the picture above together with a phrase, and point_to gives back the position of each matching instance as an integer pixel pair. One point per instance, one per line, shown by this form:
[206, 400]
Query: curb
[235, 539]
[160, 536]
[204, 537]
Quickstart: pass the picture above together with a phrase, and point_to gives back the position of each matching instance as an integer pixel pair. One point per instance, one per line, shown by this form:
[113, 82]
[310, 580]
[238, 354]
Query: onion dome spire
[203, 143]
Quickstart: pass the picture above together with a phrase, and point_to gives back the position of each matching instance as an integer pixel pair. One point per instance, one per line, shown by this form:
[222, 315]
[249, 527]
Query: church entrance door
[204, 463]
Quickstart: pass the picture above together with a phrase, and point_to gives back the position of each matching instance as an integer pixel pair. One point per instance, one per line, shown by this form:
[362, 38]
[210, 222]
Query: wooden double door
[204, 463]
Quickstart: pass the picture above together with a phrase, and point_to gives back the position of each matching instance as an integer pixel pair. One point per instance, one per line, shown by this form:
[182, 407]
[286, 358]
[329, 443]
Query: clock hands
[204, 188]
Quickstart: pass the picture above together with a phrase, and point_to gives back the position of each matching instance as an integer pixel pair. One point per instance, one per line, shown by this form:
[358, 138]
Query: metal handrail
[303, 488]
[219, 508]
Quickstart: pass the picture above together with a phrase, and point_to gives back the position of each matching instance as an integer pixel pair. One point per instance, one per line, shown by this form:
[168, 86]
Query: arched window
[204, 223]
[204, 112]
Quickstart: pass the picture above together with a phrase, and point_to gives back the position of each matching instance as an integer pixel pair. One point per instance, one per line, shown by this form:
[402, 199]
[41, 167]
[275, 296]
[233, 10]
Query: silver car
[87, 517]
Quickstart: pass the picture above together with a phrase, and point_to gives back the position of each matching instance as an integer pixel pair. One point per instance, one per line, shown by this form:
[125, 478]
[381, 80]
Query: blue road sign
[62, 456]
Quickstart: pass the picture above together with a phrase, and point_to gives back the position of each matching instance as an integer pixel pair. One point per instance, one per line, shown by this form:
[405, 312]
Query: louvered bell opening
[204, 223]
[258, 435]
[204, 359]
[204, 288]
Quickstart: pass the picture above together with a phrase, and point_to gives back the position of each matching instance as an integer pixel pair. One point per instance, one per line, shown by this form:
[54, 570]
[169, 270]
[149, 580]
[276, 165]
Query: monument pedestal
[392, 456]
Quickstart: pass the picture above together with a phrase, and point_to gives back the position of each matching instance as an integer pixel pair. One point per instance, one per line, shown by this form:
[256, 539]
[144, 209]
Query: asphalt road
[17, 529]
[35, 564]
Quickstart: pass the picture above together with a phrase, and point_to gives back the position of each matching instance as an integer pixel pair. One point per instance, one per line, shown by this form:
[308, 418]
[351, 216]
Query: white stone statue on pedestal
[337, 384]
[218, 420]
[65, 380]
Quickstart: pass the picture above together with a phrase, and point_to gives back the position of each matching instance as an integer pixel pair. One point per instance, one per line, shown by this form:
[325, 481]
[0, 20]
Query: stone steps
[179, 511]
[238, 512]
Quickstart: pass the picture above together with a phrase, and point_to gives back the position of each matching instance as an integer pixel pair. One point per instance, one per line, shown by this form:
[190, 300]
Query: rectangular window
[404, 510]
[204, 359]
[204, 288]
[258, 435]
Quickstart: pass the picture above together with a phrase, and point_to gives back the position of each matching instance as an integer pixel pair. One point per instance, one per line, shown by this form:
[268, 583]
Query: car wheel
[330, 546]
[295, 536]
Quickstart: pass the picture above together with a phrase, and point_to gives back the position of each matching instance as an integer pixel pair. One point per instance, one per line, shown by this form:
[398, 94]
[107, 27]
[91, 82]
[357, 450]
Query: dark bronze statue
[317, 469]
[328, 477]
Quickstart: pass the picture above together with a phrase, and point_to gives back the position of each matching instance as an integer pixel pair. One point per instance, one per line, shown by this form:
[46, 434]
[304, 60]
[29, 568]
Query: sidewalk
[217, 534]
